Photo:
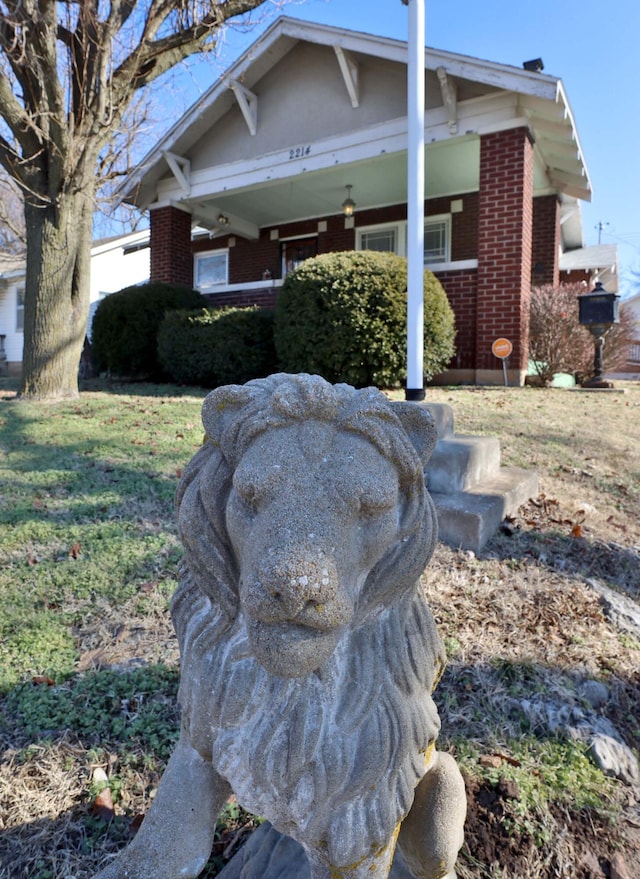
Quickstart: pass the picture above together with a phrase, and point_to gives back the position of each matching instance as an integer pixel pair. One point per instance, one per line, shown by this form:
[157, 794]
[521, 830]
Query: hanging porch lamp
[348, 205]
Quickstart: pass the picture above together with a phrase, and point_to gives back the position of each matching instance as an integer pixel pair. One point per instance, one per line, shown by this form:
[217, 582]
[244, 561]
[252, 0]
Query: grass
[89, 663]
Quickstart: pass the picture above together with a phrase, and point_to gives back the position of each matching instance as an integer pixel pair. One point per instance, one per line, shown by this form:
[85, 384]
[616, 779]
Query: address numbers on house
[299, 152]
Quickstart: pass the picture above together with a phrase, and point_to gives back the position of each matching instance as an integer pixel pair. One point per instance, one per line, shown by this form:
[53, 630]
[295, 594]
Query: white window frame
[400, 230]
[20, 309]
[200, 257]
[444, 219]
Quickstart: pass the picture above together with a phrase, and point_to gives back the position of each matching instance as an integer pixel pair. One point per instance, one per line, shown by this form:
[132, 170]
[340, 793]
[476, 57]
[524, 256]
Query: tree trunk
[56, 295]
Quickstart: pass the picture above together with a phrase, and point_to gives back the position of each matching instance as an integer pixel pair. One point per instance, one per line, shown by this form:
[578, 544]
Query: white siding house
[115, 263]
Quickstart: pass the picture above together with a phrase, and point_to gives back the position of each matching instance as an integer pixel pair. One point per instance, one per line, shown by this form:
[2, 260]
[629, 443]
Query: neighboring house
[632, 368]
[313, 116]
[115, 263]
[599, 262]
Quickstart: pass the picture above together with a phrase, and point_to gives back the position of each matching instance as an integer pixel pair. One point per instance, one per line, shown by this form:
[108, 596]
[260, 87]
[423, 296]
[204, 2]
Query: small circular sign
[502, 348]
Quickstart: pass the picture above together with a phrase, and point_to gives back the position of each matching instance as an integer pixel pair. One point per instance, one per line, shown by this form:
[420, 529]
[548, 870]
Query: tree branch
[153, 57]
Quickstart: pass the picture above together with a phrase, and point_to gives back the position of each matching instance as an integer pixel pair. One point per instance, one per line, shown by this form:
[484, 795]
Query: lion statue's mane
[356, 733]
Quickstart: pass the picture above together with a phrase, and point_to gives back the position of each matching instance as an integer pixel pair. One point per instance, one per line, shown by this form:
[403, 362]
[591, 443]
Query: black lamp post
[598, 311]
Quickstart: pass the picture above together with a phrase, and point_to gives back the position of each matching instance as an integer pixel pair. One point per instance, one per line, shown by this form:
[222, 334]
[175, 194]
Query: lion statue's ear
[419, 424]
[222, 406]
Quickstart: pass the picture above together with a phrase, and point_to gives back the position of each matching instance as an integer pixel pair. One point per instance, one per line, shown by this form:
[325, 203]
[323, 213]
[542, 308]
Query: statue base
[271, 855]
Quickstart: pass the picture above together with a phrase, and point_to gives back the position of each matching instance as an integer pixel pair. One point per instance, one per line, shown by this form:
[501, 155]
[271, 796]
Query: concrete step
[460, 462]
[468, 519]
[442, 414]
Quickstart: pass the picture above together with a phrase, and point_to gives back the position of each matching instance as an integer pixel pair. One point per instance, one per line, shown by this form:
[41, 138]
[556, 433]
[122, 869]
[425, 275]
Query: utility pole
[415, 200]
[600, 228]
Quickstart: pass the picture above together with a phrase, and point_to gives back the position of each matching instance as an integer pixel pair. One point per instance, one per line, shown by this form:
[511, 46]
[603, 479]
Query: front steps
[471, 491]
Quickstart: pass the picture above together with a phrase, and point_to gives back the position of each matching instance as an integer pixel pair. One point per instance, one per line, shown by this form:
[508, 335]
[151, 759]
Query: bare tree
[70, 72]
[559, 343]
[12, 231]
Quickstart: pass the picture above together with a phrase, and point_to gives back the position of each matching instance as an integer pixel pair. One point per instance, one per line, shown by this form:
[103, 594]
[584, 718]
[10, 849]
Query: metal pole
[415, 201]
[597, 361]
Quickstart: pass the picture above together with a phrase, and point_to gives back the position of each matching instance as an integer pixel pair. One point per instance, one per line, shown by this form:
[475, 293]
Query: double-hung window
[437, 239]
[392, 237]
[211, 270]
[388, 238]
[20, 309]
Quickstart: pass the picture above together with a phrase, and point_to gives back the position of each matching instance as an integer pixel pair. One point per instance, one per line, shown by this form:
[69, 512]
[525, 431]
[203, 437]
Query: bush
[125, 327]
[344, 316]
[558, 341]
[217, 346]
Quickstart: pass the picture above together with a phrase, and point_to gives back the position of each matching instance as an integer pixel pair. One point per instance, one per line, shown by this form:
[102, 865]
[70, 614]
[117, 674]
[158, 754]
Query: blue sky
[591, 45]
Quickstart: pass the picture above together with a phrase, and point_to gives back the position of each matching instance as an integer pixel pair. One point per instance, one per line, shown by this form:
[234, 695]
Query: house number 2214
[299, 152]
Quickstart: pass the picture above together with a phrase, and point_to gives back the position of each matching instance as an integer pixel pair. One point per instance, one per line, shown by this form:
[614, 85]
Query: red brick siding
[577, 276]
[462, 290]
[505, 218]
[545, 249]
[171, 258]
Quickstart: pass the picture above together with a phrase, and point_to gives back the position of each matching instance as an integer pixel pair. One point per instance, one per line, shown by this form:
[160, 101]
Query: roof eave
[573, 180]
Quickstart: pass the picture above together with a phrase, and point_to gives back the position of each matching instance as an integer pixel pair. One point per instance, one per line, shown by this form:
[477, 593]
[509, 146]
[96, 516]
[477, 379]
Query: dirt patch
[572, 844]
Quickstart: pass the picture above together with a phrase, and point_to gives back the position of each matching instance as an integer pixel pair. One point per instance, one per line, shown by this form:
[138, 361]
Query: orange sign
[502, 348]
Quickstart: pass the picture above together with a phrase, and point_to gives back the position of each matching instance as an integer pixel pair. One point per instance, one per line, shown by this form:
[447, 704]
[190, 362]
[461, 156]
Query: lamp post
[598, 311]
[415, 201]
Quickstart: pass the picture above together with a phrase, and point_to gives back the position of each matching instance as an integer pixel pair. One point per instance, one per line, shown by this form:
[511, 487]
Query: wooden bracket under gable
[181, 170]
[350, 74]
[450, 98]
[248, 103]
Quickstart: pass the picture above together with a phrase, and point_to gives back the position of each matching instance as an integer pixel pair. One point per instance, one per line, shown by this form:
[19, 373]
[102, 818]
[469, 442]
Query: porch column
[171, 256]
[504, 252]
[545, 251]
[415, 201]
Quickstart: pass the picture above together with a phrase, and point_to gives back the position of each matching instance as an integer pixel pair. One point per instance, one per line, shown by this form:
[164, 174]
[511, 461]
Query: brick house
[253, 179]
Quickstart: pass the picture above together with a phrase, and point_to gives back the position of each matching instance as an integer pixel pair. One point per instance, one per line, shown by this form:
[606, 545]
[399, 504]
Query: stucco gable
[304, 93]
[318, 80]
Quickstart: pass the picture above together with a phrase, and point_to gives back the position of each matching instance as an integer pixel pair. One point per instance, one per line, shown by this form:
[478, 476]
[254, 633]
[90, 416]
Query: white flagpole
[415, 200]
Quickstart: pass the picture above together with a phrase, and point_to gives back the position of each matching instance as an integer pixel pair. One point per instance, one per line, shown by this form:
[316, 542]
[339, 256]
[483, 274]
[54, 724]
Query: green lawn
[89, 664]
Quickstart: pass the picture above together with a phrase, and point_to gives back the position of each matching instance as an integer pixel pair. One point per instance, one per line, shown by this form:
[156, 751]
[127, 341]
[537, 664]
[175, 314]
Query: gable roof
[541, 102]
[598, 259]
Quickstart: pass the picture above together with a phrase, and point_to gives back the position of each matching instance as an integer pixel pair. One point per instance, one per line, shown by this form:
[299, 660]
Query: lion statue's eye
[248, 491]
[375, 503]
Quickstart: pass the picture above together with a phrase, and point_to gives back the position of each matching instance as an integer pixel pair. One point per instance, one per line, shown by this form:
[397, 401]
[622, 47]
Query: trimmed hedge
[125, 327]
[217, 346]
[344, 316]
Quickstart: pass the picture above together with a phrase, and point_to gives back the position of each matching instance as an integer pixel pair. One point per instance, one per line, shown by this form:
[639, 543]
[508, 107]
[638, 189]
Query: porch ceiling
[376, 182]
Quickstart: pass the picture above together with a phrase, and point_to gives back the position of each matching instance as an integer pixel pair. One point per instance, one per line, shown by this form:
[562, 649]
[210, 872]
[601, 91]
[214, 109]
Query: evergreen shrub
[125, 327]
[217, 346]
[344, 316]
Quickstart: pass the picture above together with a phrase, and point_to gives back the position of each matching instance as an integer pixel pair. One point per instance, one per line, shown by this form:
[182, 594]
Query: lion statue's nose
[296, 582]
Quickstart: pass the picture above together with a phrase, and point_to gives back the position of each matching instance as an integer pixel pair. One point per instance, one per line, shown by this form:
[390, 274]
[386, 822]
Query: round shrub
[125, 327]
[217, 346]
[344, 316]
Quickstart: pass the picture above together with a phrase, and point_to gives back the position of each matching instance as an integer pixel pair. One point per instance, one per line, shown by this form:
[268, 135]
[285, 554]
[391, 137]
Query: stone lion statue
[308, 651]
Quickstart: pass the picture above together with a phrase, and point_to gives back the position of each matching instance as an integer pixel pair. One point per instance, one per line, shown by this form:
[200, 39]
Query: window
[383, 239]
[211, 270]
[20, 309]
[392, 238]
[296, 251]
[389, 238]
[437, 240]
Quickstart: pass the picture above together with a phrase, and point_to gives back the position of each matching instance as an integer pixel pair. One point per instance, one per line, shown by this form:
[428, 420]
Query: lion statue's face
[306, 512]
[310, 513]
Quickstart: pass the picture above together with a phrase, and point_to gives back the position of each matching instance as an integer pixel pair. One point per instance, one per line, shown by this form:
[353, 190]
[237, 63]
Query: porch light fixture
[223, 220]
[348, 205]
